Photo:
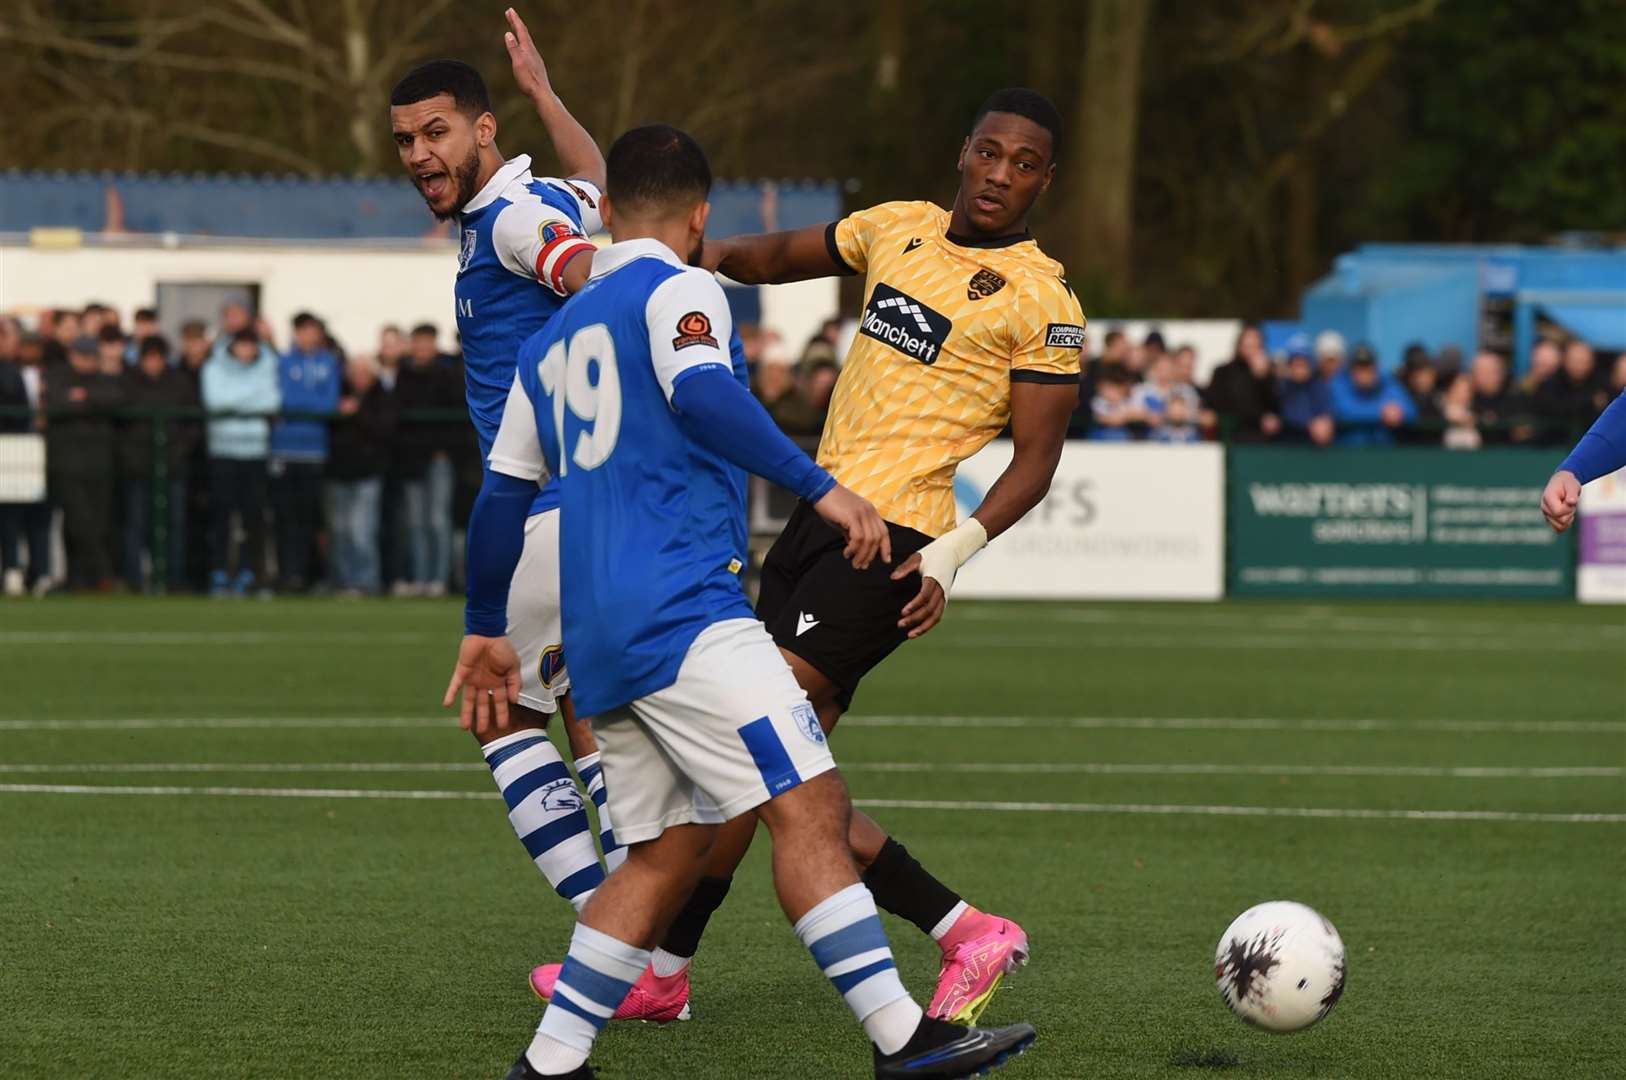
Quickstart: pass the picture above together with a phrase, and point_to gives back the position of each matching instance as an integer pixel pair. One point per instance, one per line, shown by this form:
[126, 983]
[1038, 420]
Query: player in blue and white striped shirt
[524, 248]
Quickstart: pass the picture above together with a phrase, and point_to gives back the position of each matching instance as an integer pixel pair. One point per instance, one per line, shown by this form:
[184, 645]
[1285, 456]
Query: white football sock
[946, 923]
[667, 964]
[547, 812]
[592, 777]
[845, 936]
[597, 975]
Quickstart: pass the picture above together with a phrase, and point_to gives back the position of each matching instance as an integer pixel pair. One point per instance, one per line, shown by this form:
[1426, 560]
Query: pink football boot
[978, 951]
[653, 999]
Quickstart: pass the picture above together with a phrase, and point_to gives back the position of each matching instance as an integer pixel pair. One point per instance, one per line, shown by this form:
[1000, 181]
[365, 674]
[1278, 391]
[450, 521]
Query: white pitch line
[1243, 811]
[1188, 619]
[1107, 637]
[1224, 723]
[1164, 809]
[270, 793]
[1036, 723]
[1091, 768]
[1462, 772]
[251, 767]
[216, 637]
[234, 723]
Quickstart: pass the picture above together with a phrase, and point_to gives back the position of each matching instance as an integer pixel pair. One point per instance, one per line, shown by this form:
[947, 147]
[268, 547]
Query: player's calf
[545, 807]
[609, 949]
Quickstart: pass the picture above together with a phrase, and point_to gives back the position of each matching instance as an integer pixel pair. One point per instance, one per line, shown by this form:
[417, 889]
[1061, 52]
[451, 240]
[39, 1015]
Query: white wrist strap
[941, 559]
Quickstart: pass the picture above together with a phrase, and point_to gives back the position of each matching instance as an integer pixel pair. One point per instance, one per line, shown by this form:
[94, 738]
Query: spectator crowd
[311, 468]
[1324, 393]
[275, 470]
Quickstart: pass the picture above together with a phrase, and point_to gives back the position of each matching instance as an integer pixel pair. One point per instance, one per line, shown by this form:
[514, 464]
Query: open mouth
[988, 204]
[433, 185]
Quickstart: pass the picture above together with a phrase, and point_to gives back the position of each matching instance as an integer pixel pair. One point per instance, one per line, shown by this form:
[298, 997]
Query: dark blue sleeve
[1602, 449]
[718, 413]
[496, 536]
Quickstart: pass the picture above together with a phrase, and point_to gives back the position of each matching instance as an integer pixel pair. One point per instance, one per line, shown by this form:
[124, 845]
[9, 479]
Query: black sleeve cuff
[1051, 377]
[835, 249]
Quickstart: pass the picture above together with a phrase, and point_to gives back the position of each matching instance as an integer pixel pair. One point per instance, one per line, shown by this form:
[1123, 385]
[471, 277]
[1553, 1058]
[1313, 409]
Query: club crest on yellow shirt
[984, 283]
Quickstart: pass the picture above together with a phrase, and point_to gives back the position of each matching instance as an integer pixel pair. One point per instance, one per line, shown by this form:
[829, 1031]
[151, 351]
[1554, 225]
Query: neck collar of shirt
[986, 242]
[511, 170]
[614, 257]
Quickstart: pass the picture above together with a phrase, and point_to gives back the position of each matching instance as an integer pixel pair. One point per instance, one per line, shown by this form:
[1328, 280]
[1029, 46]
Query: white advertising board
[22, 468]
[1137, 522]
[1600, 573]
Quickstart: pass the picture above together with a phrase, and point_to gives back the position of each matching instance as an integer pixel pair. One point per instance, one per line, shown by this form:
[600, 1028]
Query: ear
[606, 212]
[1049, 178]
[965, 148]
[485, 130]
[698, 218]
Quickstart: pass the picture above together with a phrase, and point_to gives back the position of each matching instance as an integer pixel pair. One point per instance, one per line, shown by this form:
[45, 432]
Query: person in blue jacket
[308, 378]
[1306, 404]
[239, 379]
[1368, 404]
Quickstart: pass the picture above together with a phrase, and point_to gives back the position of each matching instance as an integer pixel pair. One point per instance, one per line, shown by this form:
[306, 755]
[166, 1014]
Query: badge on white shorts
[808, 721]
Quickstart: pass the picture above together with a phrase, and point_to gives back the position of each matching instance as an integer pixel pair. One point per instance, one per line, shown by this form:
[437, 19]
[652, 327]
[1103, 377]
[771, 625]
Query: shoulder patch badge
[1060, 335]
[984, 283]
[549, 231]
[693, 329]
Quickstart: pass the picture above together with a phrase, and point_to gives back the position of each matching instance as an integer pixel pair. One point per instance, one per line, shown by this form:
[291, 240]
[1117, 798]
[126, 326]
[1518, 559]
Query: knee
[520, 718]
[679, 852]
[816, 811]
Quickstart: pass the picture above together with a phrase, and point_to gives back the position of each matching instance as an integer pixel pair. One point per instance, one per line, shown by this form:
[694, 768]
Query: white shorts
[535, 628]
[732, 732]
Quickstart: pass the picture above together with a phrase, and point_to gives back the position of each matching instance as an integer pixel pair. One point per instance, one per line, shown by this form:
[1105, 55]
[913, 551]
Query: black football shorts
[840, 620]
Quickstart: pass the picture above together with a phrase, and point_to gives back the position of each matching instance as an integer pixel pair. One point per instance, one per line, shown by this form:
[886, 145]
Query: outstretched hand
[487, 676]
[529, 71]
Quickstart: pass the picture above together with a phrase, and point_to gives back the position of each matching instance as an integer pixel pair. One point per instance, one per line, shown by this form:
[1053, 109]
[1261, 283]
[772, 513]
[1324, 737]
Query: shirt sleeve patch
[693, 329]
[1064, 336]
[549, 231]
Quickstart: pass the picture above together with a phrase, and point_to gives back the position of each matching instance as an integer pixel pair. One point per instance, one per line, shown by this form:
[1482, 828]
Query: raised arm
[579, 155]
[775, 258]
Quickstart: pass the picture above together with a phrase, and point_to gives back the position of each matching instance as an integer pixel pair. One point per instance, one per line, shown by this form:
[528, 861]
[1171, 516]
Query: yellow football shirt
[947, 325]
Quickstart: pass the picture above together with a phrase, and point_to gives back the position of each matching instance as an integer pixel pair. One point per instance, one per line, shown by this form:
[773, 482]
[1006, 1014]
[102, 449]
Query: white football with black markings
[1280, 966]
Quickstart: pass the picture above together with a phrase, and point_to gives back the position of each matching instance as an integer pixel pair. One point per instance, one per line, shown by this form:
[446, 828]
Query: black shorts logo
[904, 323]
[1062, 335]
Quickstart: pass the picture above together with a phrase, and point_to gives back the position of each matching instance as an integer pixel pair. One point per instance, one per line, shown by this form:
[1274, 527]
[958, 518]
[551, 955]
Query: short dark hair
[428, 328]
[194, 328]
[110, 332]
[246, 334]
[656, 167]
[146, 313]
[1021, 101]
[454, 77]
[1113, 337]
[304, 319]
[154, 343]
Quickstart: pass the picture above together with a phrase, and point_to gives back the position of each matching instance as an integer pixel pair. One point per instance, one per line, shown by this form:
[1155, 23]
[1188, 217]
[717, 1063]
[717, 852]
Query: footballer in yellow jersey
[967, 328]
[949, 323]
